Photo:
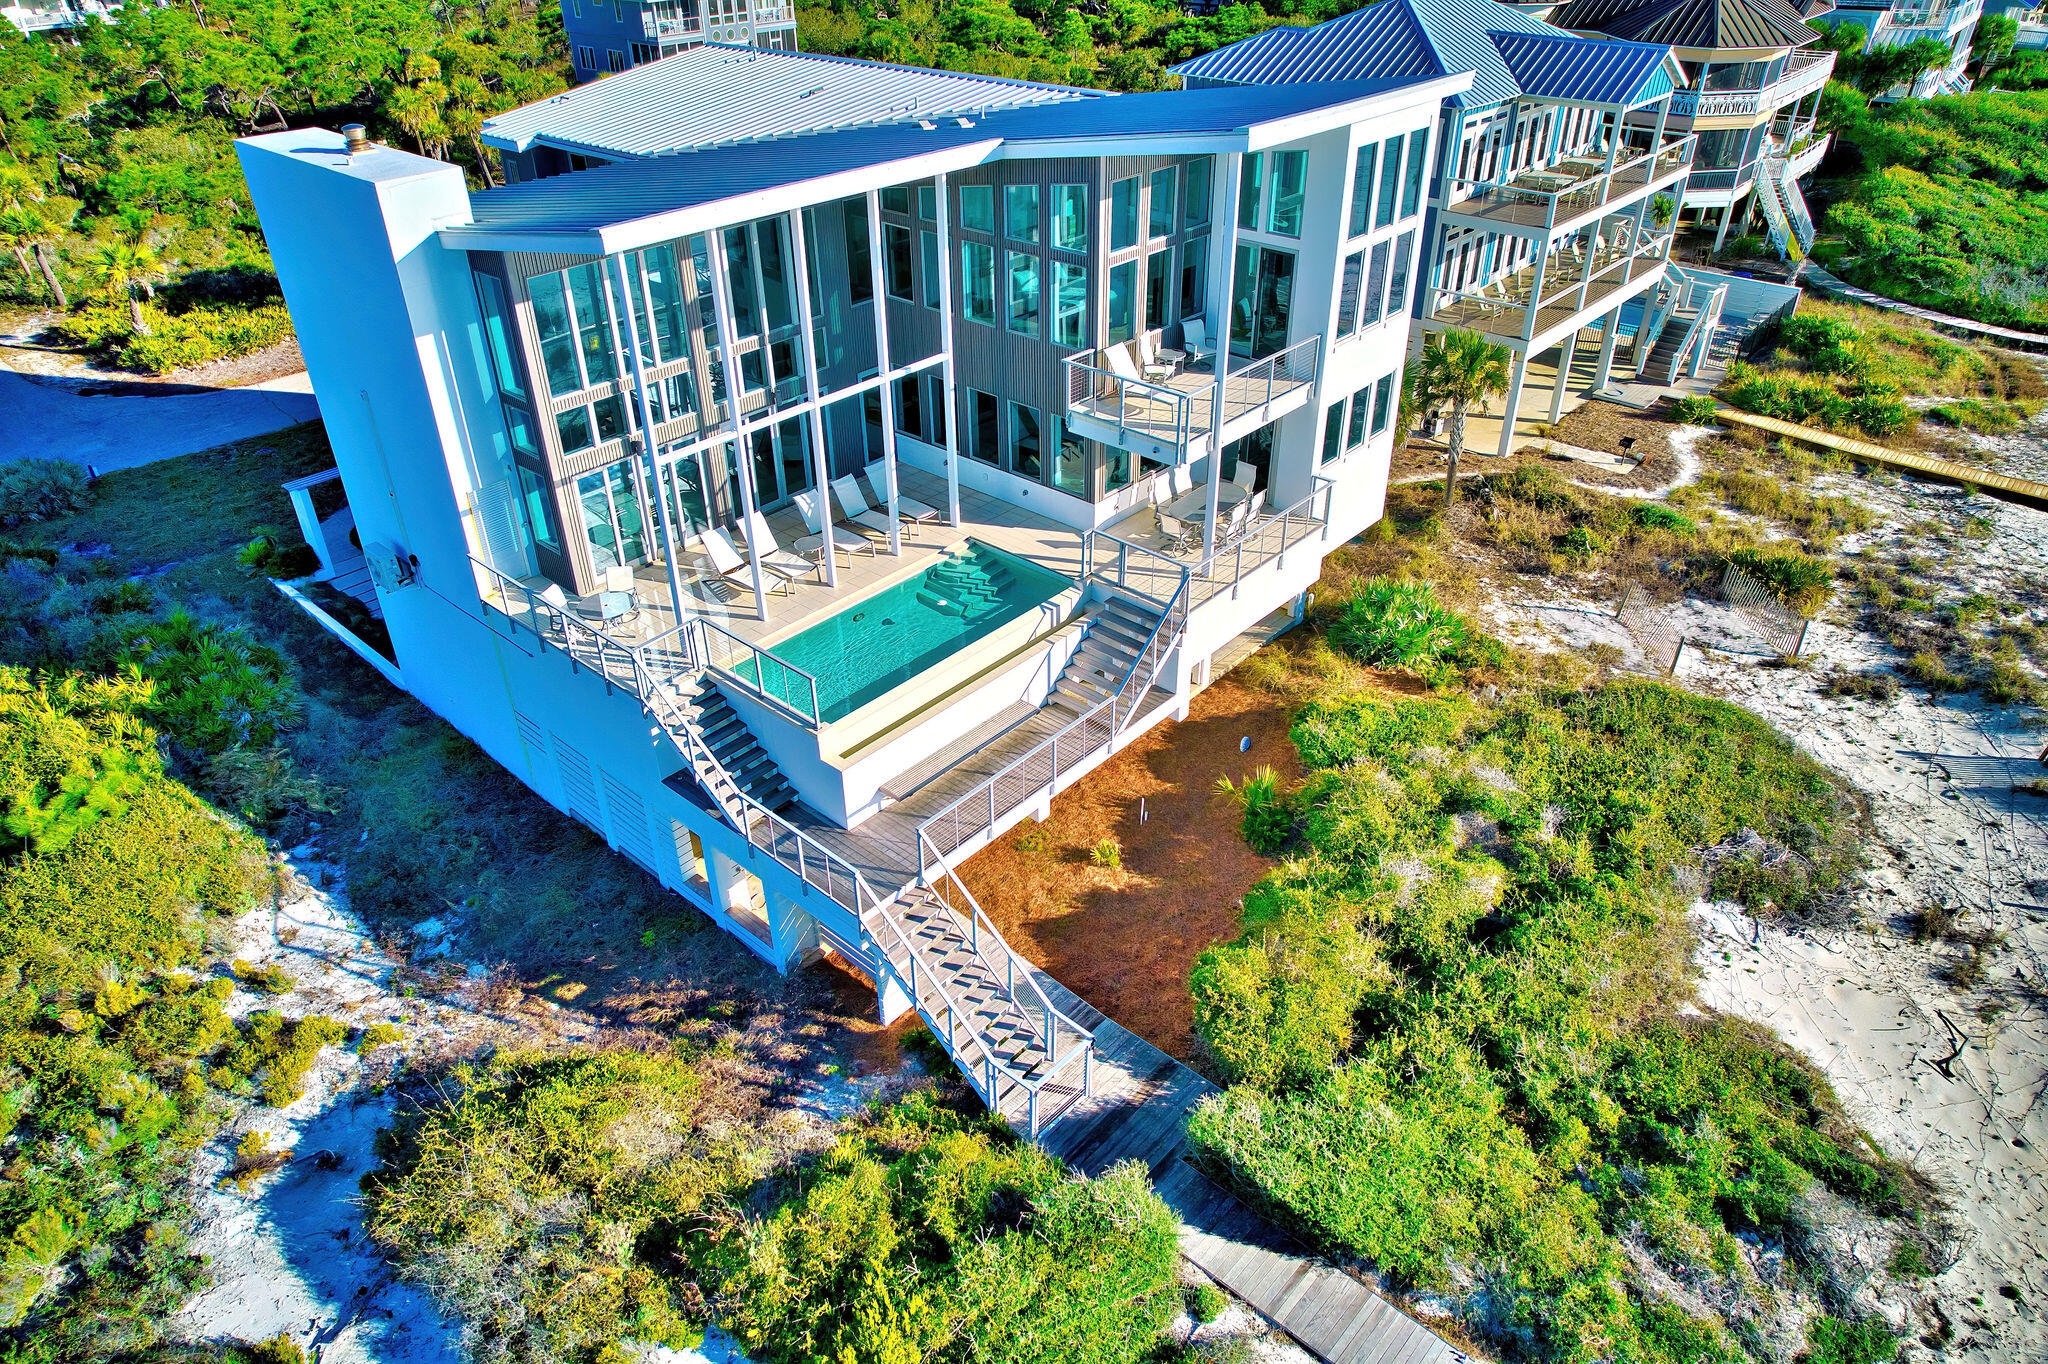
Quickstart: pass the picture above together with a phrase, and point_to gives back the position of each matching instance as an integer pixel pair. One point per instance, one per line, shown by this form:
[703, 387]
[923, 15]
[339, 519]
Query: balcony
[1903, 24]
[1173, 419]
[1503, 309]
[659, 28]
[1567, 194]
[1806, 71]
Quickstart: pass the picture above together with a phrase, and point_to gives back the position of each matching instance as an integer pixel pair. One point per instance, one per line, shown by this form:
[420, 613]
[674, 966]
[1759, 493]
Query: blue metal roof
[601, 205]
[1563, 66]
[1417, 38]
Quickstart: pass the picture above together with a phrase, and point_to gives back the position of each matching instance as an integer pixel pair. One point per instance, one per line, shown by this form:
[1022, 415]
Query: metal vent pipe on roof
[355, 138]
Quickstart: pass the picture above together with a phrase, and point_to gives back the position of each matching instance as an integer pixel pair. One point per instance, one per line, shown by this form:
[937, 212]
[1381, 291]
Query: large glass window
[1069, 304]
[520, 426]
[557, 338]
[1165, 201]
[1361, 187]
[1290, 182]
[1382, 403]
[1070, 217]
[573, 426]
[1020, 303]
[1020, 212]
[1201, 188]
[1123, 214]
[498, 337]
[928, 242]
[1194, 276]
[927, 203]
[668, 332]
[984, 427]
[1069, 460]
[540, 511]
[910, 406]
[1372, 304]
[1026, 455]
[1333, 431]
[978, 208]
[978, 282]
[1123, 301]
[860, 278]
[593, 338]
[1251, 182]
[896, 199]
[1397, 282]
[1347, 293]
[739, 260]
[1418, 148]
[1390, 181]
[1158, 288]
[610, 415]
[896, 273]
[1262, 296]
[1361, 408]
[778, 297]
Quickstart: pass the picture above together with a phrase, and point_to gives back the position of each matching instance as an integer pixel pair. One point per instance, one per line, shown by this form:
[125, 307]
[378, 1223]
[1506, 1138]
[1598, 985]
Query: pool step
[961, 587]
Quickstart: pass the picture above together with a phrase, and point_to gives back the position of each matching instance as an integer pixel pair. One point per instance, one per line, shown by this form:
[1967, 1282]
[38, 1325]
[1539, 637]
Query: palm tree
[27, 230]
[120, 267]
[1462, 370]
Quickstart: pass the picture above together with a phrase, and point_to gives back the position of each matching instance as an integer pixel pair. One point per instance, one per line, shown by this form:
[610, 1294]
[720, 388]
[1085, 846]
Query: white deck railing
[1167, 415]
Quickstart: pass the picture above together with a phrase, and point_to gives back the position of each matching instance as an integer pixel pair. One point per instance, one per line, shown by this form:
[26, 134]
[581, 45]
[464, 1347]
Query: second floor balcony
[1575, 283]
[1167, 412]
[658, 27]
[1805, 71]
[1570, 192]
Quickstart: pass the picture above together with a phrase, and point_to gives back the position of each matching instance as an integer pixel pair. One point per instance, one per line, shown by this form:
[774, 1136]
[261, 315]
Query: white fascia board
[1148, 144]
[1295, 127]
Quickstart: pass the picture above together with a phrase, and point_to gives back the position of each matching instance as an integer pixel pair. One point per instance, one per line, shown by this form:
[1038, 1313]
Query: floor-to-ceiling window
[1262, 297]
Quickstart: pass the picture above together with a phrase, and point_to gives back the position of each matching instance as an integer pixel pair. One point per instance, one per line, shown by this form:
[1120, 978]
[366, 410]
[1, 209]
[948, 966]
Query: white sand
[1869, 1005]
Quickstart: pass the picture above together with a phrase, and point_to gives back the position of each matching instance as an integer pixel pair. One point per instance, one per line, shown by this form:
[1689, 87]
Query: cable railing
[692, 643]
[1173, 417]
[1547, 196]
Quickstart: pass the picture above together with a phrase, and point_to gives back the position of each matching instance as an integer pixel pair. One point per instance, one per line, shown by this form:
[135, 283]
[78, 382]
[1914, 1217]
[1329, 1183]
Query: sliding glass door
[1262, 296]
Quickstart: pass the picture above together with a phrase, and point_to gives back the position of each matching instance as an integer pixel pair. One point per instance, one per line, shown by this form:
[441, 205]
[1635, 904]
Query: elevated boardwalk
[2010, 488]
[2004, 336]
[1138, 1111]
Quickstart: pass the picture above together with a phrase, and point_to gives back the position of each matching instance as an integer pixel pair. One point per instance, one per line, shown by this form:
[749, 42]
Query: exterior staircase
[1116, 640]
[1784, 206]
[746, 764]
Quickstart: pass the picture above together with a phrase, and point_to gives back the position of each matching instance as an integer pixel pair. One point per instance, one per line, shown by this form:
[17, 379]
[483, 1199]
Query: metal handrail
[1173, 569]
[1206, 583]
[1592, 191]
[758, 684]
[1172, 416]
[1093, 384]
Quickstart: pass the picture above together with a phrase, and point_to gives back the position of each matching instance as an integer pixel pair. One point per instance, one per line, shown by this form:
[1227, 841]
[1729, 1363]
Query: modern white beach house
[807, 468]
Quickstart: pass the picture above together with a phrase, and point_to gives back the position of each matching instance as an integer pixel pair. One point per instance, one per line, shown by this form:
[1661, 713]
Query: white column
[1568, 348]
[821, 472]
[1610, 329]
[1233, 174]
[876, 249]
[742, 459]
[946, 344]
[647, 440]
[1507, 425]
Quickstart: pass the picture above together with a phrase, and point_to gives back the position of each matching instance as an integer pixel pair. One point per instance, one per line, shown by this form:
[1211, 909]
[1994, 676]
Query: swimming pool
[882, 641]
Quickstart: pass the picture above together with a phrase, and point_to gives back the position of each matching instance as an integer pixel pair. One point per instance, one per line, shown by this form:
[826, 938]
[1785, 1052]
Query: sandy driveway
[53, 418]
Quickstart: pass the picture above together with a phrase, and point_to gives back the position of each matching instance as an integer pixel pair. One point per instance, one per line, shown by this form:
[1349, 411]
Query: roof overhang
[710, 215]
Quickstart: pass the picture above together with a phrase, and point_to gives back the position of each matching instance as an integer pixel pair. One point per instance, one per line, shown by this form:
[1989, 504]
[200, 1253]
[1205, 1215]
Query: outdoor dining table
[1193, 505]
[1581, 170]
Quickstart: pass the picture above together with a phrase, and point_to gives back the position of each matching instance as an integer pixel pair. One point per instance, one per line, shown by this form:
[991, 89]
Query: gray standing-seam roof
[1566, 67]
[1417, 38]
[1697, 24]
[717, 95]
[596, 209]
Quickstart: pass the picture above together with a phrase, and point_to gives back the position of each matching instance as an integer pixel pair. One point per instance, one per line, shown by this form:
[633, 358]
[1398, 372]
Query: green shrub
[270, 980]
[39, 489]
[1657, 516]
[1693, 410]
[274, 1053]
[1397, 624]
[1927, 668]
[1268, 815]
[1830, 1340]
[1908, 1261]
[215, 686]
[1107, 853]
[1206, 1302]
[177, 340]
[1797, 579]
[1972, 414]
[1808, 334]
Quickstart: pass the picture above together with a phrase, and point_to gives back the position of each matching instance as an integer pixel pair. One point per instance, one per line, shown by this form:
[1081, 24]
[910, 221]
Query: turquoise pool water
[887, 639]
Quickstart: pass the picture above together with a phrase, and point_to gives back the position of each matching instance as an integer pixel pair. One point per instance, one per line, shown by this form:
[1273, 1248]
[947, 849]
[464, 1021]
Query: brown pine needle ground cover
[1124, 938]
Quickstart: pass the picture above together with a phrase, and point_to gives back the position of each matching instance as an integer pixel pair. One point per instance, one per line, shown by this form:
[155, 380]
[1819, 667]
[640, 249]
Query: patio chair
[1151, 364]
[761, 538]
[728, 564]
[1194, 339]
[556, 602]
[1245, 474]
[812, 506]
[1117, 360]
[855, 504]
[615, 599]
[1234, 528]
[1181, 536]
[907, 507]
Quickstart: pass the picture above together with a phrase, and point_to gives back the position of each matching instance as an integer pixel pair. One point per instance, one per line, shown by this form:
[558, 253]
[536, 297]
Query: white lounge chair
[855, 504]
[1194, 339]
[907, 507]
[1117, 360]
[760, 536]
[729, 564]
[812, 507]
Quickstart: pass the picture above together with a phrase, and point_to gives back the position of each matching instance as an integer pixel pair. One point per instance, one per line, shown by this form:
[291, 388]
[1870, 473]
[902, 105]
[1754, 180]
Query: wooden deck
[1507, 320]
[2024, 490]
